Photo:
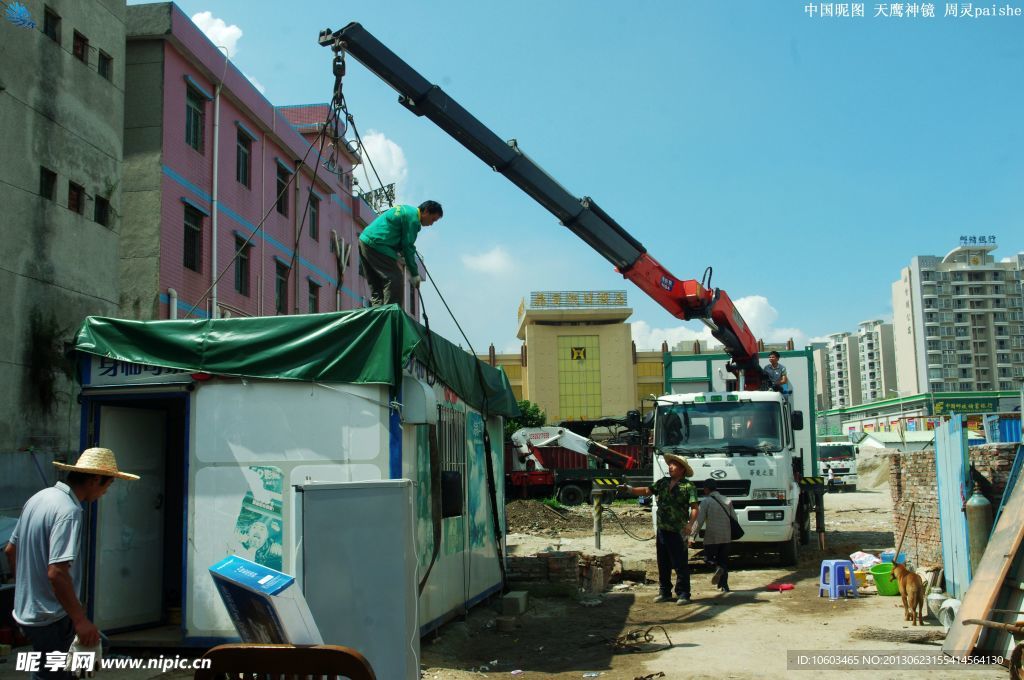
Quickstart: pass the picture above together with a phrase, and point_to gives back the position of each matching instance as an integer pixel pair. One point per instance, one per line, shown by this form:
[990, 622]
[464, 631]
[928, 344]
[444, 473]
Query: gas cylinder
[979, 526]
[934, 601]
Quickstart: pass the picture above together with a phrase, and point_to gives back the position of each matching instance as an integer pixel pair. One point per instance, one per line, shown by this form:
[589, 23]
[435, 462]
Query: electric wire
[623, 526]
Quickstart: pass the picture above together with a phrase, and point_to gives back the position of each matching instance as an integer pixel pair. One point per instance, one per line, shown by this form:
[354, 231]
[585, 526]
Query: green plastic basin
[882, 574]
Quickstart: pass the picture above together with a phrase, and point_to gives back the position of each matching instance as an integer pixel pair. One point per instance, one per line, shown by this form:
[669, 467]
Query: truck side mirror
[796, 419]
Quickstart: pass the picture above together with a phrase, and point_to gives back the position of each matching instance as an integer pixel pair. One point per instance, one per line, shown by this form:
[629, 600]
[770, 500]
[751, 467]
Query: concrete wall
[59, 266]
[143, 160]
[904, 337]
[912, 479]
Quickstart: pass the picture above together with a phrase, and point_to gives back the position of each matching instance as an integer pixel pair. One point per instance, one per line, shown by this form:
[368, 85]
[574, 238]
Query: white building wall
[968, 321]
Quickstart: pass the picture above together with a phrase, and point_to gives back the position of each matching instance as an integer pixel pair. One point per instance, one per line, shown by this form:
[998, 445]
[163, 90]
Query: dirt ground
[747, 633]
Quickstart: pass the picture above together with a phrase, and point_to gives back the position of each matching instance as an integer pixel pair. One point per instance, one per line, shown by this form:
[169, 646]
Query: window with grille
[241, 267]
[195, 116]
[76, 198]
[243, 160]
[281, 288]
[80, 48]
[47, 183]
[451, 443]
[192, 241]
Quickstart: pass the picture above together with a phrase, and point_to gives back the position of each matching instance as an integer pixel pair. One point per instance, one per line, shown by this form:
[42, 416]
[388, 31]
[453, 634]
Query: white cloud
[389, 161]
[255, 83]
[756, 311]
[219, 32]
[494, 261]
[647, 337]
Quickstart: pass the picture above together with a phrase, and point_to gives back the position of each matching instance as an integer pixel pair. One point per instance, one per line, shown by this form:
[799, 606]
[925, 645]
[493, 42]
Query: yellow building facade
[578, 360]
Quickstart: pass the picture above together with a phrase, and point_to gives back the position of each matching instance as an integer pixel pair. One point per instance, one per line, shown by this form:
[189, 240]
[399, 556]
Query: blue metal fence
[952, 472]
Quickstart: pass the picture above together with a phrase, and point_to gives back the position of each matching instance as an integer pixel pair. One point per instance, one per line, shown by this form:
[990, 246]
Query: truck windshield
[719, 427]
[836, 452]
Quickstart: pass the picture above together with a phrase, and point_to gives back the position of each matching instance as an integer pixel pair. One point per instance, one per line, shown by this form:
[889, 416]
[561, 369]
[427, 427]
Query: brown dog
[912, 591]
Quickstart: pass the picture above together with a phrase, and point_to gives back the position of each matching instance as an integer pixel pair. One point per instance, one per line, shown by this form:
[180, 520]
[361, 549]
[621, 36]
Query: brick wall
[565, 573]
[912, 480]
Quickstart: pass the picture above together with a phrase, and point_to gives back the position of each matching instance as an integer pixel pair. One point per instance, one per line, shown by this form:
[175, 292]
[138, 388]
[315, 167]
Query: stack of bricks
[550, 572]
[597, 571]
[563, 572]
[912, 479]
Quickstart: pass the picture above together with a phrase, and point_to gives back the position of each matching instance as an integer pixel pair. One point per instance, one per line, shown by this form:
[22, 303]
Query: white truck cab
[754, 444]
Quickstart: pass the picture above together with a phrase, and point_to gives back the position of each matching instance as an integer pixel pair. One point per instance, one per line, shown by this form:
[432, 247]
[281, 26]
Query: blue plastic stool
[837, 579]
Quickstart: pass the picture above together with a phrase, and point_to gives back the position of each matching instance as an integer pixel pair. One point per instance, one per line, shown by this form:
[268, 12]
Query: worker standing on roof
[394, 233]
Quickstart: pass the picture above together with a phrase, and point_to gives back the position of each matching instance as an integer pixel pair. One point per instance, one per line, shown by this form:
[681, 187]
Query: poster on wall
[258, 536]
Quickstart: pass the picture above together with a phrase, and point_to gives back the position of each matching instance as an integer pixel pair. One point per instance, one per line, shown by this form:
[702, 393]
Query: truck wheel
[805, 529]
[570, 494]
[788, 551]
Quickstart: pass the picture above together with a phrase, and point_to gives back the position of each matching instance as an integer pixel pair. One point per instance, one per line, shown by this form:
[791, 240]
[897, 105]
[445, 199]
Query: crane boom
[528, 439]
[684, 299]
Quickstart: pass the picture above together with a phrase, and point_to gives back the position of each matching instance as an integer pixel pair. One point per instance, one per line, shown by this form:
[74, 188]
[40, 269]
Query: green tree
[531, 415]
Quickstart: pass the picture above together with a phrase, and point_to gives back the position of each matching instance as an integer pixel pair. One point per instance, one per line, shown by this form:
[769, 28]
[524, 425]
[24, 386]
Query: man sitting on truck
[776, 373]
[677, 508]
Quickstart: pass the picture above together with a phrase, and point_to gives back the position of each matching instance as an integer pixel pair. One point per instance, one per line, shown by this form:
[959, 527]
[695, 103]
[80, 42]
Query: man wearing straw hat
[677, 508]
[44, 553]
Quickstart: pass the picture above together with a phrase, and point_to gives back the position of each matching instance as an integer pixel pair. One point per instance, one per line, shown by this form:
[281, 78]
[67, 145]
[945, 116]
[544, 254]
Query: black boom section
[583, 217]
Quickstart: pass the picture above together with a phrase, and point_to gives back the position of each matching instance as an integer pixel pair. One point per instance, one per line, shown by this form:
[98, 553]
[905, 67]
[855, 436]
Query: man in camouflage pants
[677, 508]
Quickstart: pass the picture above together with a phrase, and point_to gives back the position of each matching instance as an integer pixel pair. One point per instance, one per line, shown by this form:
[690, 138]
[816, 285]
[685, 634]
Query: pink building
[207, 159]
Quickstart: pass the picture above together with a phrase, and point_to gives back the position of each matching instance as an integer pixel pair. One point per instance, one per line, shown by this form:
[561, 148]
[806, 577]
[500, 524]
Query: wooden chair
[245, 661]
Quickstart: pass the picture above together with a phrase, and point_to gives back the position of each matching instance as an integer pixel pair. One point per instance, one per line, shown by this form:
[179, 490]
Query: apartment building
[822, 386]
[959, 321]
[877, 361]
[227, 209]
[61, 109]
[844, 370]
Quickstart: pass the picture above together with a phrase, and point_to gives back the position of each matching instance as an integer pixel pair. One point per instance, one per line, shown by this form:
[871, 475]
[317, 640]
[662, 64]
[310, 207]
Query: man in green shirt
[392, 233]
[677, 508]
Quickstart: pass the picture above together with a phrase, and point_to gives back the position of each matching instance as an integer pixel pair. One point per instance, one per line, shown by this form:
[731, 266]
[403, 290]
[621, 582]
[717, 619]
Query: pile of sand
[873, 467]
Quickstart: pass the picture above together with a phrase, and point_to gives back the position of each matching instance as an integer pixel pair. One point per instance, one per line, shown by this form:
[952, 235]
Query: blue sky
[805, 159]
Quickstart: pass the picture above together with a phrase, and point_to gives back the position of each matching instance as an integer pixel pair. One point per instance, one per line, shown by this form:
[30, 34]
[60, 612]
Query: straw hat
[673, 458]
[97, 461]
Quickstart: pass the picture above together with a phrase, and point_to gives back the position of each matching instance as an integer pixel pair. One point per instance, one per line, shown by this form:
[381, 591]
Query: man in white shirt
[44, 552]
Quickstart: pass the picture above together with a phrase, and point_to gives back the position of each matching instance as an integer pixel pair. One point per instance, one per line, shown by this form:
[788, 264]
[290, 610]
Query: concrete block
[514, 603]
[506, 624]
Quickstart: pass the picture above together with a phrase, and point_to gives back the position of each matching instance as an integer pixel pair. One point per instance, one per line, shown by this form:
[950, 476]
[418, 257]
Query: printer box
[264, 604]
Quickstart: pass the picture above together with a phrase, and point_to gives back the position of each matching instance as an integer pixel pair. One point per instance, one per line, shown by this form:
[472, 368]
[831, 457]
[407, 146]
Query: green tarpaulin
[361, 346]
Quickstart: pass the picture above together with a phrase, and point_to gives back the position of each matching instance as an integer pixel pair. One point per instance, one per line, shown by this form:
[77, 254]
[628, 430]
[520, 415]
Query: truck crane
[771, 473]
[535, 470]
[684, 299]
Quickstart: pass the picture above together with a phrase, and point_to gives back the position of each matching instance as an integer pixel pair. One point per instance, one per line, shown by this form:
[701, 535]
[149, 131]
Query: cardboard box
[265, 605]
